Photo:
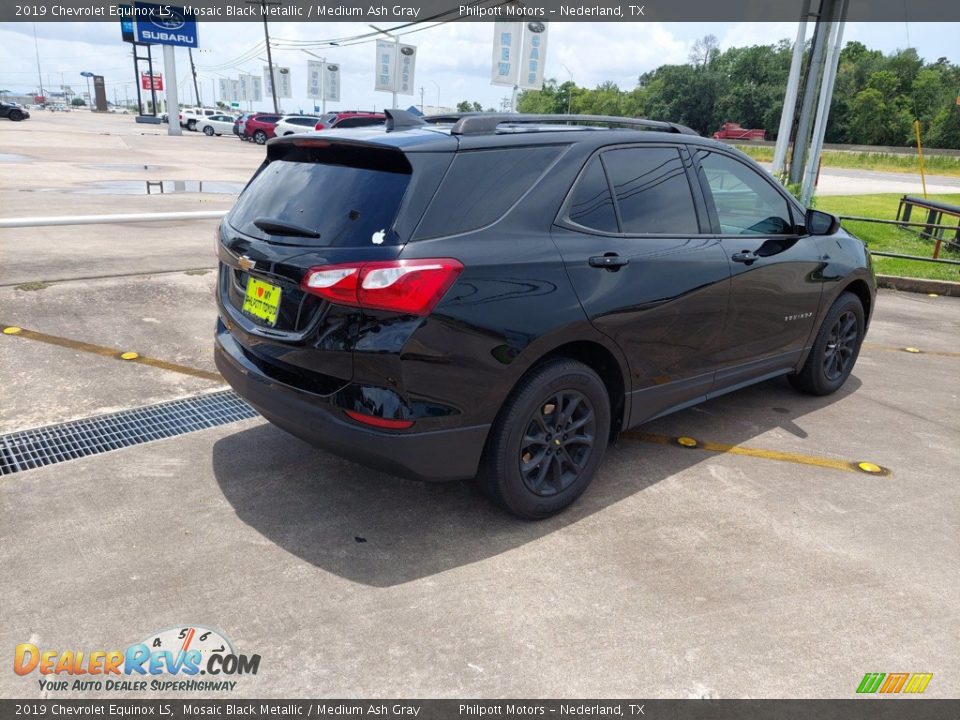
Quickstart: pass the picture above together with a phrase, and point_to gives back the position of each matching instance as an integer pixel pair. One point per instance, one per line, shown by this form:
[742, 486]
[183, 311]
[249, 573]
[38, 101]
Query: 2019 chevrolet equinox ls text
[497, 296]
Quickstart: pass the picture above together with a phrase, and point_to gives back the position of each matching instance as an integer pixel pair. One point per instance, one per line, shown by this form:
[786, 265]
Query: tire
[208, 131]
[16, 115]
[835, 349]
[192, 125]
[570, 458]
[260, 137]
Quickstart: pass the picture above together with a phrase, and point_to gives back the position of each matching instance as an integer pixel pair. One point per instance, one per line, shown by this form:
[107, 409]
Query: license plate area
[262, 301]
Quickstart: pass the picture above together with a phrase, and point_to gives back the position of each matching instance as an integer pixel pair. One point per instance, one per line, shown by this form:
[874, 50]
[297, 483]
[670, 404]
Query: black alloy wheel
[835, 349]
[548, 440]
[841, 346]
[557, 443]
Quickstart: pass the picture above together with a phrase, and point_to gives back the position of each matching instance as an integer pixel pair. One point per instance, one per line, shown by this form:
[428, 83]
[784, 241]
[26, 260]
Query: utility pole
[421, 99]
[266, 36]
[36, 46]
[826, 94]
[193, 71]
[821, 39]
[790, 96]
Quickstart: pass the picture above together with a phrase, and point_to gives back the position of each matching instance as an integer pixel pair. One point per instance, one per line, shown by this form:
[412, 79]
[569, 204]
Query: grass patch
[884, 162]
[198, 271]
[888, 238]
[30, 286]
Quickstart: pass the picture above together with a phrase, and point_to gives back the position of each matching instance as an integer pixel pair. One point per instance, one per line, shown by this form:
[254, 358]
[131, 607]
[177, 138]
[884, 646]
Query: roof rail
[401, 120]
[487, 123]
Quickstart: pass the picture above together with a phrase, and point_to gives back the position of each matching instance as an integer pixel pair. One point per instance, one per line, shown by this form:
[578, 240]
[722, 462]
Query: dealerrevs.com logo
[894, 683]
[169, 660]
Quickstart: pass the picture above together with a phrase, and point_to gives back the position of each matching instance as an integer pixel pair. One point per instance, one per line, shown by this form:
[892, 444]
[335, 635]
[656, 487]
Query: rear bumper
[437, 455]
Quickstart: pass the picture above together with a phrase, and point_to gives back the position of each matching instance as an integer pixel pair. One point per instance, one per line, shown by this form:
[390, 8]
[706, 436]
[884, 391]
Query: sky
[453, 60]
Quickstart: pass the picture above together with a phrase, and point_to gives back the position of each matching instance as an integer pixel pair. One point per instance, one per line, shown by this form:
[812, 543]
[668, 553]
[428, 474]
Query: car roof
[409, 133]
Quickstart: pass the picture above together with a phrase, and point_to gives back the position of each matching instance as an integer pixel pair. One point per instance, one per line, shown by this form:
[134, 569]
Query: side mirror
[821, 223]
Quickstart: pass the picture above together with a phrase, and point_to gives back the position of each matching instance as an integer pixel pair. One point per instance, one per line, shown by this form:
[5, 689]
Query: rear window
[481, 186]
[349, 196]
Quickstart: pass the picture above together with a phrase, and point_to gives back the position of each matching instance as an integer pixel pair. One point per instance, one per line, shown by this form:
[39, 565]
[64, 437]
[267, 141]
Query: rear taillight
[379, 422]
[412, 287]
[319, 126]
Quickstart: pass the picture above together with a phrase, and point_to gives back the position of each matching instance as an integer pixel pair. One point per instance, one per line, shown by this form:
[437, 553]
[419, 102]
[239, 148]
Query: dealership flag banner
[519, 54]
[331, 82]
[323, 80]
[284, 87]
[226, 91]
[506, 48]
[393, 74]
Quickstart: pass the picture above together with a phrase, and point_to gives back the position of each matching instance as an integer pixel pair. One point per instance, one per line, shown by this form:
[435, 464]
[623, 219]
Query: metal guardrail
[45, 221]
[904, 224]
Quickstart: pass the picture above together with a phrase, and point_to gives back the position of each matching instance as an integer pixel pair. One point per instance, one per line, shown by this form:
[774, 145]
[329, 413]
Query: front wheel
[835, 350]
[16, 115]
[548, 440]
[192, 125]
[208, 131]
[260, 137]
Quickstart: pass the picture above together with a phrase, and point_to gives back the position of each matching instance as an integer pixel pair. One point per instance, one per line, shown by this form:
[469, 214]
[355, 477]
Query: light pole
[87, 75]
[266, 35]
[438, 95]
[323, 82]
[396, 59]
[570, 89]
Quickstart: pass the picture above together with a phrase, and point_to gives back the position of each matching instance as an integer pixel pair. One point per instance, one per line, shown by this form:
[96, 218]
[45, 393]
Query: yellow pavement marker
[909, 349]
[127, 356]
[814, 460]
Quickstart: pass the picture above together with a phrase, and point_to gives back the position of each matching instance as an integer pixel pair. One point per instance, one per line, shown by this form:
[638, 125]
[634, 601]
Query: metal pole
[153, 89]
[790, 96]
[396, 67]
[811, 84]
[110, 219]
[90, 99]
[273, 78]
[136, 80]
[323, 85]
[36, 46]
[173, 104]
[193, 71]
[823, 110]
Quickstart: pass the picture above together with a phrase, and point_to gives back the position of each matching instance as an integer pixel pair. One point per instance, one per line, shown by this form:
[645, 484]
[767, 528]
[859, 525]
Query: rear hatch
[311, 203]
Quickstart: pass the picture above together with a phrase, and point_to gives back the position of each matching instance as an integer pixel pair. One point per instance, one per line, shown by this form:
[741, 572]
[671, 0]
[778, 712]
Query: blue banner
[165, 25]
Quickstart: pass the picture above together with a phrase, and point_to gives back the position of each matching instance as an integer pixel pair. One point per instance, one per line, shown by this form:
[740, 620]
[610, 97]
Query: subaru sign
[165, 25]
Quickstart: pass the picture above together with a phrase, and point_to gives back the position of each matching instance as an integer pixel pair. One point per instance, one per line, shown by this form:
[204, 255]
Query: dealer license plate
[262, 301]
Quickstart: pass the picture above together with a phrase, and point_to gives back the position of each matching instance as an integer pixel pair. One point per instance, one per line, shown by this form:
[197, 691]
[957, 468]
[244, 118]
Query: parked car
[260, 127]
[216, 125]
[293, 124]
[475, 301]
[13, 111]
[348, 119]
[239, 123]
[189, 117]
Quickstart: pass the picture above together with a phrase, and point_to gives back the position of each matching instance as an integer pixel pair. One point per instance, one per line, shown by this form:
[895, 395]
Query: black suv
[496, 296]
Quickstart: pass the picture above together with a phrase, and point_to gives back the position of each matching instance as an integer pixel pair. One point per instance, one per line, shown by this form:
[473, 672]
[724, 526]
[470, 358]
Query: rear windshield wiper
[275, 226]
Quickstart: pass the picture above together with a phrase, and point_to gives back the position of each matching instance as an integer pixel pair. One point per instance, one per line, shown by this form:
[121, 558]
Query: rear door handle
[745, 256]
[611, 262]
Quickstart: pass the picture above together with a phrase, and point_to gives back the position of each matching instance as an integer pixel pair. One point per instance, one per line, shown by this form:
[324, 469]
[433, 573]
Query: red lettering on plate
[259, 292]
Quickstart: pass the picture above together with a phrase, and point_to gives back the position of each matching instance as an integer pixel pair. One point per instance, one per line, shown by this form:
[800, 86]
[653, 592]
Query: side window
[591, 205]
[746, 202]
[651, 190]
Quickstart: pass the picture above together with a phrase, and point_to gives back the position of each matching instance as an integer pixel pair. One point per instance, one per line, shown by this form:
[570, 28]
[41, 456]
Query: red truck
[733, 131]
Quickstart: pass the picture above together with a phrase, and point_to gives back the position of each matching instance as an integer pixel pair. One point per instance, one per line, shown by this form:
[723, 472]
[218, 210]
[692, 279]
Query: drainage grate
[36, 448]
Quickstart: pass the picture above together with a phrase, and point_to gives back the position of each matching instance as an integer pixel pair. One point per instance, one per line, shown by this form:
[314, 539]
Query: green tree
[468, 106]
[78, 102]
